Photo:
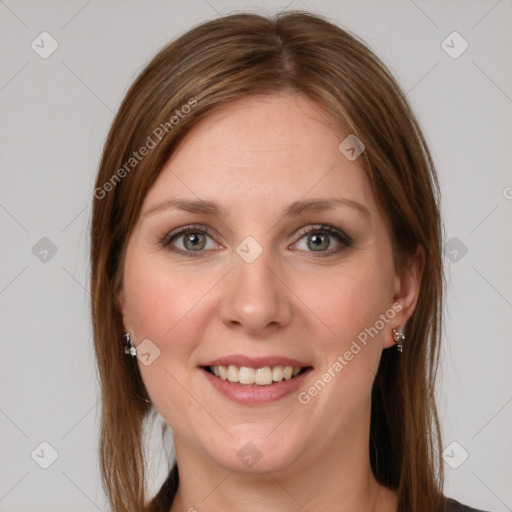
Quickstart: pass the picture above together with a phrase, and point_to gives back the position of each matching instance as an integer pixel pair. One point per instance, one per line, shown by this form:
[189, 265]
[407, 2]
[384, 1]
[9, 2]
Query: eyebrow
[293, 210]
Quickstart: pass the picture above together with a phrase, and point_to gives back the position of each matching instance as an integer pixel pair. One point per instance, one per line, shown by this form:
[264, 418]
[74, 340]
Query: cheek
[164, 306]
[351, 304]
[160, 299]
[348, 300]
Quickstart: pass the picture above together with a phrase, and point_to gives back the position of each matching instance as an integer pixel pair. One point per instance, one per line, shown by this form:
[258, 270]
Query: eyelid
[311, 228]
[166, 239]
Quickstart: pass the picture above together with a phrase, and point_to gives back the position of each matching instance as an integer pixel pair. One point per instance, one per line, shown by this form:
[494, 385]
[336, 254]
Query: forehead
[270, 150]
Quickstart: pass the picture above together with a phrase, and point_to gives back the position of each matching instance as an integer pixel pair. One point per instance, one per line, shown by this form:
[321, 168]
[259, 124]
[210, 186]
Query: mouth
[255, 380]
[250, 376]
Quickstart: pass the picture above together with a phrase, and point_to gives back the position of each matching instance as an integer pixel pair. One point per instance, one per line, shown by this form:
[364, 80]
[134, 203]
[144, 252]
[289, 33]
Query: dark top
[455, 506]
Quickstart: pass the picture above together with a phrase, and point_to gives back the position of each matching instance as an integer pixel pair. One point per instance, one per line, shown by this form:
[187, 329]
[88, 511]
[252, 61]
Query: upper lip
[255, 362]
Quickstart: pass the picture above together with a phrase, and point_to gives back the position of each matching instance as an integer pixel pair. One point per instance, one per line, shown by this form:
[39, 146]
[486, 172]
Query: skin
[254, 157]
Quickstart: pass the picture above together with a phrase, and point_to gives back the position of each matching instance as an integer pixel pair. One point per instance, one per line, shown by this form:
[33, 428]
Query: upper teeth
[261, 376]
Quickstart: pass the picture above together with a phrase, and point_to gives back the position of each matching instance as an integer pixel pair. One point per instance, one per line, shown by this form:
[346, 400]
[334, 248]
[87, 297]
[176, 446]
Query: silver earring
[128, 347]
[132, 351]
[398, 338]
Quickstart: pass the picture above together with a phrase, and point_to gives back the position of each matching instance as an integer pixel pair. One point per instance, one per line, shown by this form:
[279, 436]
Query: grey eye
[194, 241]
[318, 241]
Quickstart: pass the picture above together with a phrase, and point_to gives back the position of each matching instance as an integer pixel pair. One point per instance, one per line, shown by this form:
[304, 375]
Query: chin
[257, 452]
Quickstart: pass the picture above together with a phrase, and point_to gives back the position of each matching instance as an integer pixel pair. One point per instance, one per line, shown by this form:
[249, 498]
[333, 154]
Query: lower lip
[249, 394]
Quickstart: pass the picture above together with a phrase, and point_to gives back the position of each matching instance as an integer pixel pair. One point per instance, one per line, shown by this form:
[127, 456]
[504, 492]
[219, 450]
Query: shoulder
[454, 506]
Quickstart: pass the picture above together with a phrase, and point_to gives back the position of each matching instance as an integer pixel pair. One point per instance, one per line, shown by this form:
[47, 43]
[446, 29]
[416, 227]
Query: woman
[267, 276]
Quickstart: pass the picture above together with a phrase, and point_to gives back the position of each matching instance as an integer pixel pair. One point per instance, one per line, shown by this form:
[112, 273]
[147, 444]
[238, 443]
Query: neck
[332, 478]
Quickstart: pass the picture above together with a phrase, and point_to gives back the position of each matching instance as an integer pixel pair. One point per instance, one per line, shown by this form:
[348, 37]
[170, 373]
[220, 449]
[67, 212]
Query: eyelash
[167, 240]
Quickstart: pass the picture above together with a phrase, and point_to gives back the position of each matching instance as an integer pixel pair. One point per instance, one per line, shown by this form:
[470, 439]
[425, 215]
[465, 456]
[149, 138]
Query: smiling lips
[255, 371]
[263, 376]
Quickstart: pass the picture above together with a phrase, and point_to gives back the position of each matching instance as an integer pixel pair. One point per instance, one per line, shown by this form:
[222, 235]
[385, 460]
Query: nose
[257, 300]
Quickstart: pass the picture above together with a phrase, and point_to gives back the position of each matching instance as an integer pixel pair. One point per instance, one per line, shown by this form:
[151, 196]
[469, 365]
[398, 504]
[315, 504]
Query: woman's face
[256, 285]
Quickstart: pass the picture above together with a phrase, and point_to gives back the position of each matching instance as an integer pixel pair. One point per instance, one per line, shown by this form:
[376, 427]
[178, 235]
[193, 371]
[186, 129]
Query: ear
[406, 292]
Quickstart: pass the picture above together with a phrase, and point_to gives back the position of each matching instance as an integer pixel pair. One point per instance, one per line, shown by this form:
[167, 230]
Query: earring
[398, 338]
[131, 350]
[128, 347]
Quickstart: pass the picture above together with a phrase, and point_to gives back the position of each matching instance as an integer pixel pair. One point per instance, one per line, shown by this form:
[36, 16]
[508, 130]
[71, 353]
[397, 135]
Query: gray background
[55, 113]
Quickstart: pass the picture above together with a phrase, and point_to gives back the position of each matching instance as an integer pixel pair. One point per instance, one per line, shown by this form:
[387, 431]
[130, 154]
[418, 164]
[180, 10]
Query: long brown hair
[217, 62]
